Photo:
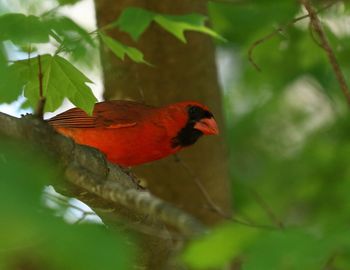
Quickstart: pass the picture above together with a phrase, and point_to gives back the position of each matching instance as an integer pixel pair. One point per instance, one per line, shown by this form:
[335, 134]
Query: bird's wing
[107, 114]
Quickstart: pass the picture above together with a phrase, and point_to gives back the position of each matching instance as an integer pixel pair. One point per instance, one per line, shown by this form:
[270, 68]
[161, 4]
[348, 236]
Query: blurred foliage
[11, 86]
[29, 29]
[32, 238]
[288, 134]
[295, 248]
[60, 78]
[217, 248]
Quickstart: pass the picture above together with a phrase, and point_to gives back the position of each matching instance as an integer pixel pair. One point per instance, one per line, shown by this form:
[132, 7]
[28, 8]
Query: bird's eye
[195, 112]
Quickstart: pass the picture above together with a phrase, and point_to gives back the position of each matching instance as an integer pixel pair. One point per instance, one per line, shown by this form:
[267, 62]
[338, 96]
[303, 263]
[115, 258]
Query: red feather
[129, 133]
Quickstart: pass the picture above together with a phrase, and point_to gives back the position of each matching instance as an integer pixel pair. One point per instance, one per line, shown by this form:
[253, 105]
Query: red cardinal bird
[130, 133]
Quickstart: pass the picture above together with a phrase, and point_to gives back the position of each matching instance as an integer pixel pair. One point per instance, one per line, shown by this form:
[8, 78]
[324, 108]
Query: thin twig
[82, 218]
[63, 201]
[140, 88]
[267, 209]
[41, 103]
[329, 265]
[148, 230]
[253, 225]
[199, 184]
[277, 31]
[40, 77]
[267, 37]
[317, 26]
[62, 45]
[212, 205]
[50, 11]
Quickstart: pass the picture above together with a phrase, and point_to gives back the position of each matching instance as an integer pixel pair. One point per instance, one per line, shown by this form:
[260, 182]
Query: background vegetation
[287, 132]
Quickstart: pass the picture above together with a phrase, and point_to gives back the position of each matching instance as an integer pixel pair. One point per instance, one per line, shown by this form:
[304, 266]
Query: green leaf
[218, 248]
[120, 50]
[60, 80]
[134, 21]
[177, 25]
[22, 29]
[72, 38]
[11, 83]
[67, 29]
[75, 81]
[67, 2]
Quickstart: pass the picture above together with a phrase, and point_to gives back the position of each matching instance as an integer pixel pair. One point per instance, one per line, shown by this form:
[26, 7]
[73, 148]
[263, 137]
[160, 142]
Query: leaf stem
[41, 103]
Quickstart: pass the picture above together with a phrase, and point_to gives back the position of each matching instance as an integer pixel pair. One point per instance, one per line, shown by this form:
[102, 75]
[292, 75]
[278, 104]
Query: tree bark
[96, 181]
[181, 72]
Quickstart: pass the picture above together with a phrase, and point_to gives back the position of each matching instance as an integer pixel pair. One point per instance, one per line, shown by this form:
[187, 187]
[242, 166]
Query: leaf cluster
[61, 79]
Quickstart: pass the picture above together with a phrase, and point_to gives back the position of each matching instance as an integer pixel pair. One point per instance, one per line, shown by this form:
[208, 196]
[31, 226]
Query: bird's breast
[126, 146]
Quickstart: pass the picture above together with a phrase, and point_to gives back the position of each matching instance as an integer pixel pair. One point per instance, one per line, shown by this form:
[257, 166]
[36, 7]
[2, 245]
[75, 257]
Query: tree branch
[277, 31]
[317, 26]
[86, 168]
[41, 104]
[267, 37]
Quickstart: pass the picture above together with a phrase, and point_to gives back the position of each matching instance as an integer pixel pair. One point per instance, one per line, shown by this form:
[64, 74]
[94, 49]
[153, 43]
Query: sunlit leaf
[134, 21]
[74, 85]
[60, 80]
[177, 25]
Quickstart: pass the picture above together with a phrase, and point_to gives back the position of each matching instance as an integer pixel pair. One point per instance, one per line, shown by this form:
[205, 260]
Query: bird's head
[197, 121]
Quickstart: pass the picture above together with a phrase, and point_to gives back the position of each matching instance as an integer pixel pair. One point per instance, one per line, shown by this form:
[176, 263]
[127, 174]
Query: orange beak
[208, 126]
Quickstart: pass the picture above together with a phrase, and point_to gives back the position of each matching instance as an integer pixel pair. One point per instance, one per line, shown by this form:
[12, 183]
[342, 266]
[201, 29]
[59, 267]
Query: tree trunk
[181, 72]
